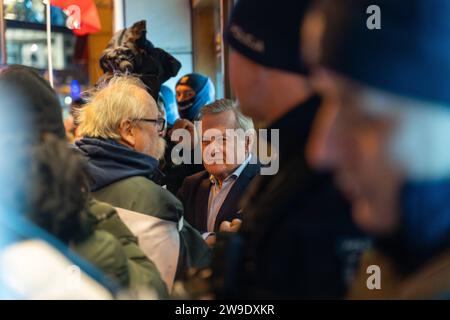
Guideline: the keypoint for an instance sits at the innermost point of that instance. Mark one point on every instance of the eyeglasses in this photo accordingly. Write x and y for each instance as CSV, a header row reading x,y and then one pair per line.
x,y
160,123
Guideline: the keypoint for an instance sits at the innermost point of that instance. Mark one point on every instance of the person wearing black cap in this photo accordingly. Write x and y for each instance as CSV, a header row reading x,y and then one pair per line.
x,y
386,136
297,237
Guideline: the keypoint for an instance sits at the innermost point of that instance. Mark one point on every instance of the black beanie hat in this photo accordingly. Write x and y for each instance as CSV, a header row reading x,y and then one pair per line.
x,y
268,32
409,55
45,114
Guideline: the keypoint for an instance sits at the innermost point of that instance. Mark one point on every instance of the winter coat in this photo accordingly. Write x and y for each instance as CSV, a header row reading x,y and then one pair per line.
x,y
122,178
114,249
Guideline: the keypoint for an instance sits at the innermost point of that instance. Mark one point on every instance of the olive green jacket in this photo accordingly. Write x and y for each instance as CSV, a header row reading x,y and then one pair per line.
x,y
155,216
114,250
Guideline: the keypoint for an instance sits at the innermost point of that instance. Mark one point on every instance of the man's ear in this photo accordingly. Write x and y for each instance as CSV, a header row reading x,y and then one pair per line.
x,y
127,133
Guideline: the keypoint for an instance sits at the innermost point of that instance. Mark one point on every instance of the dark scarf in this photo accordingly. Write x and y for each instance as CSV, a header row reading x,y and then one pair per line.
x,y
109,161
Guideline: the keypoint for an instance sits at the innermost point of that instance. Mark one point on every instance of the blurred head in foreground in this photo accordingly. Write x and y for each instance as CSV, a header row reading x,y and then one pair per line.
x,y
266,73
42,106
46,182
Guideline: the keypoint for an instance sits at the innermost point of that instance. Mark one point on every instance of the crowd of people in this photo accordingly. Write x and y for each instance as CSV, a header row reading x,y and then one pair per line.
x,y
148,193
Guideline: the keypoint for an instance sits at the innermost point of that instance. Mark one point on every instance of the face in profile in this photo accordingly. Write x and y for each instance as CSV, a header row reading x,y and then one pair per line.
x,y
148,134
353,138
248,82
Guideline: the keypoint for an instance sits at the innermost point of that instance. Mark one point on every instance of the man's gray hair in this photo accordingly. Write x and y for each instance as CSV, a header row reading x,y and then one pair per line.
x,y
223,105
115,100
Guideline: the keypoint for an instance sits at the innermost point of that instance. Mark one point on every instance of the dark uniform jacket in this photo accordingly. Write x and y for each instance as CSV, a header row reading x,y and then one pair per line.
x,y
194,194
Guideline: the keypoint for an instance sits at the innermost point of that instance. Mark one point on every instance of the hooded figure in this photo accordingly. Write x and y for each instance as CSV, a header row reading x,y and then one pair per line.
x,y
193,92
24,125
130,52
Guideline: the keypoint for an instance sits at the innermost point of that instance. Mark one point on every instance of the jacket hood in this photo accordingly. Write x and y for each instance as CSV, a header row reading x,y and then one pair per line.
x,y
109,161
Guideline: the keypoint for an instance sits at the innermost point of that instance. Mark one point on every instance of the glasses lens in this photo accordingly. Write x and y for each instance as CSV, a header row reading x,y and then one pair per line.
x,y
161,124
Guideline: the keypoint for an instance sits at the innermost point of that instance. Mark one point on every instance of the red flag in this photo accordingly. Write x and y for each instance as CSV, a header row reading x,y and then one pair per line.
x,y
82,15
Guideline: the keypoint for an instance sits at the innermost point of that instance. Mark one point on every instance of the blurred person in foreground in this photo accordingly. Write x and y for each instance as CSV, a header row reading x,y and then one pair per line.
x,y
386,135
109,238
122,141
53,194
297,238
211,197
34,264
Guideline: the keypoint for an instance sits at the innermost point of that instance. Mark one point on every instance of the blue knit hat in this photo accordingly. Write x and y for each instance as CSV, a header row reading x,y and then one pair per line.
x,y
170,104
268,32
409,55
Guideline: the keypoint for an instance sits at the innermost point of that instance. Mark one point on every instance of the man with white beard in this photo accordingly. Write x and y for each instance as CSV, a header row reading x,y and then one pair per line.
x,y
122,140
